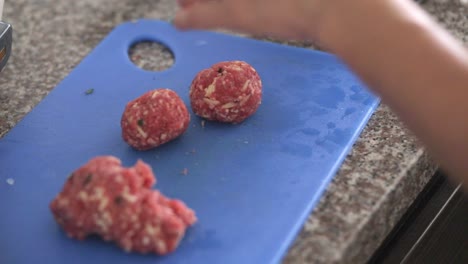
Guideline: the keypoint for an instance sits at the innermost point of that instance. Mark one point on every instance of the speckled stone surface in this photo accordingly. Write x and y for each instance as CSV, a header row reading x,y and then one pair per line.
x,y
381,176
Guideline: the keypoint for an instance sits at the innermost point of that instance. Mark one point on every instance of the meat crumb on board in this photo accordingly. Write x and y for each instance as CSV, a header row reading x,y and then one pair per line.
x,y
119,205
89,91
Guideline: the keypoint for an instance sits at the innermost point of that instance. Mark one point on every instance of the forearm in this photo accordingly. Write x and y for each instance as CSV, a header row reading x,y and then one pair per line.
x,y
416,68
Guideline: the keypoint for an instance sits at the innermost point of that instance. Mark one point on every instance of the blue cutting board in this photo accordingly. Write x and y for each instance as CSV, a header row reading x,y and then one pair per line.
x,y
252,185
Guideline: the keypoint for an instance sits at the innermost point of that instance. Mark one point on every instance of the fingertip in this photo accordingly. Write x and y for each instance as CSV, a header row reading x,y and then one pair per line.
x,y
203,15
185,3
180,20
182,3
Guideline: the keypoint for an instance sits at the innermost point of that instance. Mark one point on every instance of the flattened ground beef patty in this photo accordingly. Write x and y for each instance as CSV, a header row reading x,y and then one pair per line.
x,y
227,92
118,204
153,119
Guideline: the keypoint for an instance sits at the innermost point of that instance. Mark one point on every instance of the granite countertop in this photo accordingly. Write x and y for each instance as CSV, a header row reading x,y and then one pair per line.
x,y
379,179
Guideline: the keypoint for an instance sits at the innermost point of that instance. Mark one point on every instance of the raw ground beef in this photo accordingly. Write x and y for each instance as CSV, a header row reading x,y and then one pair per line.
x,y
153,119
118,204
227,92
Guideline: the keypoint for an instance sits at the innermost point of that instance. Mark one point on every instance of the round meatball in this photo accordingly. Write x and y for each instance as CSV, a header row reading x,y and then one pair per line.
x,y
153,119
229,92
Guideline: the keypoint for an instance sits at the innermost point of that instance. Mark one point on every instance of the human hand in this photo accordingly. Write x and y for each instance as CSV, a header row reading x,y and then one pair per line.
x,y
286,19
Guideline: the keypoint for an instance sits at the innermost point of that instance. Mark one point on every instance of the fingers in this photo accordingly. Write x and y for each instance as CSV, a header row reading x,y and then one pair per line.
x,y
279,18
186,3
202,14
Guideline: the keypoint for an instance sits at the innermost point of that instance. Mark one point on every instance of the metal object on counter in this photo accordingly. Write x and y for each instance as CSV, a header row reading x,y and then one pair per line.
x,y
6,38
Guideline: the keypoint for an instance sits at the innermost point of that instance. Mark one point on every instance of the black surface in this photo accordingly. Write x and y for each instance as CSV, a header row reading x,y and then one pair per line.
x,y
446,240
434,229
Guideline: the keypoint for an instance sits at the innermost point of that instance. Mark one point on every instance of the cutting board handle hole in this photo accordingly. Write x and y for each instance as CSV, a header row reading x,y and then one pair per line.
x,y
151,56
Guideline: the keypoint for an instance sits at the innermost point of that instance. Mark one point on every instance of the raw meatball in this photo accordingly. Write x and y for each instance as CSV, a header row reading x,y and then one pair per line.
x,y
227,92
153,119
118,204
